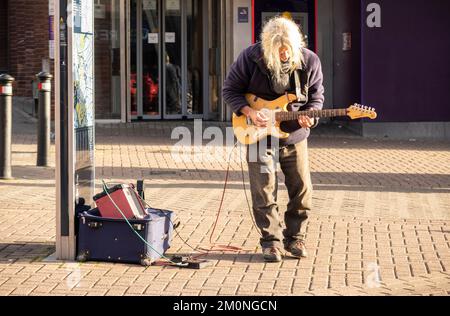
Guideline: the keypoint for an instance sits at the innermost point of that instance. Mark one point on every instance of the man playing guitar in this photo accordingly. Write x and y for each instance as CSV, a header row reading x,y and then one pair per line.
x,y
278,65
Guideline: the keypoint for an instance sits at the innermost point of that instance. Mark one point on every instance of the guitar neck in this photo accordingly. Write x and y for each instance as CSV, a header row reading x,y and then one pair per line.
x,y
293,116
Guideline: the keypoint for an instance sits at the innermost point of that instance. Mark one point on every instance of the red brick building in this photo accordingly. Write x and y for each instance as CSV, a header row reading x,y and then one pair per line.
x,y
3,36
24,41
24,48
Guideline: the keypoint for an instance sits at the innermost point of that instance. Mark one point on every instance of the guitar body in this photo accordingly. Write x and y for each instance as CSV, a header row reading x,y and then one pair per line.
x,y
247,133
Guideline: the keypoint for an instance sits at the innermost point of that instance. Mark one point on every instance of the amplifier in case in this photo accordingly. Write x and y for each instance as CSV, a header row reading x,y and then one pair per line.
x,y
126,199
112,240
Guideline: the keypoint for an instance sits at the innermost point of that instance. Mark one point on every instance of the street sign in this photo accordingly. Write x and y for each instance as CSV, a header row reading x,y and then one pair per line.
x,y
243,15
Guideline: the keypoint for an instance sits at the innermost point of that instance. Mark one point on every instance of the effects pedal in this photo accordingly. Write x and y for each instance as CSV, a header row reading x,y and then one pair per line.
x,y
190,263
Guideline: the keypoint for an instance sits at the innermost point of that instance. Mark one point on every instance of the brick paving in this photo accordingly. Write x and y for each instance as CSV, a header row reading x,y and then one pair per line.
x,y
380,225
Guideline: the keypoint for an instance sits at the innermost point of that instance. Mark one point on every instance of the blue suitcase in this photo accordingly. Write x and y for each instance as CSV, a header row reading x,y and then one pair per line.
x,y
113,240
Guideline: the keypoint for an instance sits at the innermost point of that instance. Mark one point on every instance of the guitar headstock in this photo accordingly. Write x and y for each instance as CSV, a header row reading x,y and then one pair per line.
x,y
358,111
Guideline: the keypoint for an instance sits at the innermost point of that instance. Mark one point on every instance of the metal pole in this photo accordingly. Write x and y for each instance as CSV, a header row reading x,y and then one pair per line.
x,y
43,132
5,126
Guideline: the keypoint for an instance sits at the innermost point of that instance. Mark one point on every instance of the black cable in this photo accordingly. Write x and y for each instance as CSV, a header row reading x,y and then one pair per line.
x,y
172,223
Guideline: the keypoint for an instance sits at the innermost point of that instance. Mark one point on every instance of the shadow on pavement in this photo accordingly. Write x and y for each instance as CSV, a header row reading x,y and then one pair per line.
x,y
25,252
323,181
33,172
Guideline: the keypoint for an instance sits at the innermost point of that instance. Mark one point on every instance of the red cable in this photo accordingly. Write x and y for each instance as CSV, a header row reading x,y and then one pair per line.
x,y
214,247
221,204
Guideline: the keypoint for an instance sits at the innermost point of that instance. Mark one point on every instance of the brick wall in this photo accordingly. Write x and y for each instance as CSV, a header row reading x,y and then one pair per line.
x,y
28,46
3,35
28,42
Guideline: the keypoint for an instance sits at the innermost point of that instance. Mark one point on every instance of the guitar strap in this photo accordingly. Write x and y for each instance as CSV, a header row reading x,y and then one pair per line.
x,y
301,97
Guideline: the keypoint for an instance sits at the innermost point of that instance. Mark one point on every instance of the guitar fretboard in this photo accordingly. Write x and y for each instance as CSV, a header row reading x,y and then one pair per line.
x,y
293,116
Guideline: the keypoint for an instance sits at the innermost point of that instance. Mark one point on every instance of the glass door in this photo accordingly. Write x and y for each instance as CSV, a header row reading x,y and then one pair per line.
x,y
110,61
166,59
145,83
151,83
195,40
173,60
184,59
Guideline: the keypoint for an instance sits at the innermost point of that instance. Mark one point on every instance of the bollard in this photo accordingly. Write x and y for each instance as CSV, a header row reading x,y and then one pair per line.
x,y
5,126
43,132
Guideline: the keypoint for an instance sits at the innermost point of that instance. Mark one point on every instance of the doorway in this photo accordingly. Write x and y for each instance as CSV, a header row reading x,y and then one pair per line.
x,y
166,59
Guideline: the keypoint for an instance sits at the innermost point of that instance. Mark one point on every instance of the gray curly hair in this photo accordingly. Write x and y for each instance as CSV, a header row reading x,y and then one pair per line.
x,y
279,32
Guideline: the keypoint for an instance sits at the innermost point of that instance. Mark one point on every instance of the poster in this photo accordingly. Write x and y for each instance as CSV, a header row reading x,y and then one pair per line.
x,y
243,13
170,37
149,4
153,38
51,31
84,98
51,37
301,11
300,18
82,11
346,41
173,5
51,7
100,11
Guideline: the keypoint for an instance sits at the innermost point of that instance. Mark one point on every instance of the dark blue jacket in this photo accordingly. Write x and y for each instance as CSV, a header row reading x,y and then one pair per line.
x,y
249,74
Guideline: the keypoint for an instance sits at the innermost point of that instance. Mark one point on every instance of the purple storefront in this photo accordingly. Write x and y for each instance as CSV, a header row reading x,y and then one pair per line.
x,y
391,55
405,69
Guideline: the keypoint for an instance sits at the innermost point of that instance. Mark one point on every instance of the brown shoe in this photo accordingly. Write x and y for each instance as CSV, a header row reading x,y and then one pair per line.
x,y
297,249
272,254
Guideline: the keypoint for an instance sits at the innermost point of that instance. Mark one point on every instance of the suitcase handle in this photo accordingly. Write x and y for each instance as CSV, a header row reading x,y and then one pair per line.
x,y
95,225
138,227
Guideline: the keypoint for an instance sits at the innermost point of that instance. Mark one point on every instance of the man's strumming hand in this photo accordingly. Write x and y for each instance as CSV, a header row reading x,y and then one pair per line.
x,y
258,118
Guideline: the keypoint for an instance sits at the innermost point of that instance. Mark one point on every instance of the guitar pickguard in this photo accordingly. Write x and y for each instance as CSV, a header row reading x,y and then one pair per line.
x,y
247,133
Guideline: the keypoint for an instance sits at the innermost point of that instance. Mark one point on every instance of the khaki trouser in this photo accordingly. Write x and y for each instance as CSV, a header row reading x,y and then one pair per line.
x,y
294,163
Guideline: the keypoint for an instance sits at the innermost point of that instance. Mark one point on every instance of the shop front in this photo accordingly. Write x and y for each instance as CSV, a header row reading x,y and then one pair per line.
x,y
157,59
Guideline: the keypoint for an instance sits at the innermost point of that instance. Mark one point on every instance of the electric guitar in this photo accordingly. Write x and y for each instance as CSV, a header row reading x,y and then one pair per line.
x,y
276,111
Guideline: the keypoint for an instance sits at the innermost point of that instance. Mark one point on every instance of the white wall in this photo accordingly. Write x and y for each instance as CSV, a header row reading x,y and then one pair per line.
x,y
242,32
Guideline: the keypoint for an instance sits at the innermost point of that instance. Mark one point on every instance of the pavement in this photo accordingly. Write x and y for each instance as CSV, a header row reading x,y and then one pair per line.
x,y
380,224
